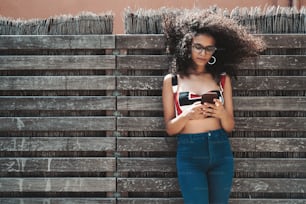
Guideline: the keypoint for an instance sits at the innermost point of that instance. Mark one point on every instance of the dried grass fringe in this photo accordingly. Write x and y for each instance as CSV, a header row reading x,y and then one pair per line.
x,y
81,24
271,19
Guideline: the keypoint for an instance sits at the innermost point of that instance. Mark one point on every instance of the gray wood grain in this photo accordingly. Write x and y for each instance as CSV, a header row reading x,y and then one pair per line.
x,y
10,103
57,42
248,103
241,124
148,41
57,123
79,62
65,164
276,185
57,82
284,40
168,144
263,62
231,201
57,184
274,165
274,62
141,41
243,83
67,200
143,62
31,144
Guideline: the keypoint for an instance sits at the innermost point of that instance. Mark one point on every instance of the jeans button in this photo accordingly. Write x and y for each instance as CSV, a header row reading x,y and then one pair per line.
x,y
209,134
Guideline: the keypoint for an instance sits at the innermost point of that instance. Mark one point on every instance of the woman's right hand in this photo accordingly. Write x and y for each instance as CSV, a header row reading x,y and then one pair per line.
x,y
195,111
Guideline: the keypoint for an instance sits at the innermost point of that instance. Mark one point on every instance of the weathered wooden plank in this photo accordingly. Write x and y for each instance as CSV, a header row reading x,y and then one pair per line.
x,y
30,144
147,41
266,62
285,165
157,41
168,144
57,103
144,62
242,124
251,83
84,184
274,62
79,62
231,201
266,201
146,165
284,40
150,201
267,185
58,200
147,185
135,41
277,103
139,164
74,164
57,123
248,103
57,42
57,82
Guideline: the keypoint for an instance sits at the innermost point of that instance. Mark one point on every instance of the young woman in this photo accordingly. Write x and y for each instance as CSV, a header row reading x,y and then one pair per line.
x,y
197,100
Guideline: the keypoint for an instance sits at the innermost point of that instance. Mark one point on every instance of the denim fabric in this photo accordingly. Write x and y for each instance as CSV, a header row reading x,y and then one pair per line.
x,y
205,167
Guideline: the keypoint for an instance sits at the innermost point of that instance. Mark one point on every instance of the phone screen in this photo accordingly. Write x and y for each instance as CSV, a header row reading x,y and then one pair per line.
x,y
209,97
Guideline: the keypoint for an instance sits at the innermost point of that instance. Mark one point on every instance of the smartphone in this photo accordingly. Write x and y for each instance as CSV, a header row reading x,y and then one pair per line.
x,y
209,97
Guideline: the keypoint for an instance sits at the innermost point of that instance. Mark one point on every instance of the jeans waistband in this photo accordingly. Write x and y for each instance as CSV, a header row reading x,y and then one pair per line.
x,y
186,137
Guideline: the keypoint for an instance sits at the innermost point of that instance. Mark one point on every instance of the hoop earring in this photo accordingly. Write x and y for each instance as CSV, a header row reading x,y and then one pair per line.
x,y
214,60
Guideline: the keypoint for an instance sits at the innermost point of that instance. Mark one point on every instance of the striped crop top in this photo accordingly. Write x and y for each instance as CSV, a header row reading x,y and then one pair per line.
x,y
185,99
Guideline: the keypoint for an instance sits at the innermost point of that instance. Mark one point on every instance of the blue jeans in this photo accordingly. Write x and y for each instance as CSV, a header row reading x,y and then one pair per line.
x,y
205,167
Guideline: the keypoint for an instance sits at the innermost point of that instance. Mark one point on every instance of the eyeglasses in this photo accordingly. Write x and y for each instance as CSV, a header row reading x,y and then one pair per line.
x,y
208,49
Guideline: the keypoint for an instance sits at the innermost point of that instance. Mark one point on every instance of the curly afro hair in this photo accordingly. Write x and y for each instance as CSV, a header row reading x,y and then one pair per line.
x,y
233,42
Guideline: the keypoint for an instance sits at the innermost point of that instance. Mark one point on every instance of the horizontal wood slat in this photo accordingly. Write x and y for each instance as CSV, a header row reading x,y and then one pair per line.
x,y
10,103
147,41
231,201
267,185
57,184
65,164
124,41
256,103
77,62
157,41
144,62
168,144
251,83
265,62
31,144
57,83
67,200
57,42
294,40
274,62
241,165
242,124
57,123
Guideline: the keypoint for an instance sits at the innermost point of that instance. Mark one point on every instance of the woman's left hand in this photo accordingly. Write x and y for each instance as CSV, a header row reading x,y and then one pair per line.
x,y
216,110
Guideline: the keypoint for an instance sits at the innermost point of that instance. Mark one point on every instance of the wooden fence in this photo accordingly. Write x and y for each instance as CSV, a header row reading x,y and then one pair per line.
x,y
81,122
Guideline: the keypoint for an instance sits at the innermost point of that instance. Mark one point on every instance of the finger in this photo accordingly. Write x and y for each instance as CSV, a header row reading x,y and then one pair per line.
x,y
217,102
209,105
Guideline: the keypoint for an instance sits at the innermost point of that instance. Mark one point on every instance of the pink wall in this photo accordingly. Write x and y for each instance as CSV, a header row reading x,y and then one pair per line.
x,y
27,9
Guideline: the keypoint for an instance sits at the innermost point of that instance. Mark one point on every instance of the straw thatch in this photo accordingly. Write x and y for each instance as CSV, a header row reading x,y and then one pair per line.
x,y
270,19
81,24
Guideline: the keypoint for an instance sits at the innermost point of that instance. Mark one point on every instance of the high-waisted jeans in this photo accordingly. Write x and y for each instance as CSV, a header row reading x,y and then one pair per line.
x,y
205,167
